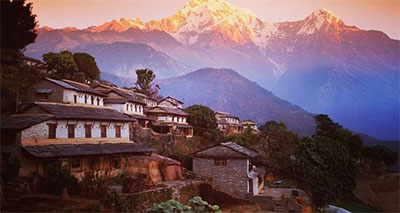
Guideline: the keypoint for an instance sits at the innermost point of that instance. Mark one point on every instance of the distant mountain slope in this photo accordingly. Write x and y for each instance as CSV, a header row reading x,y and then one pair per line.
x,y
319,63
123,58
226,90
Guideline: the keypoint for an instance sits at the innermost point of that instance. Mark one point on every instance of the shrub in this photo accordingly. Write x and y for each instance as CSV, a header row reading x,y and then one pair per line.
x,y
200,205
119,204
170,206
53,181
94,184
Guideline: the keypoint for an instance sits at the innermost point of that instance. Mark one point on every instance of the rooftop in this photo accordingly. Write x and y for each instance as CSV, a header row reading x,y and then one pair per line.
x,y
73,85
23,122
70,150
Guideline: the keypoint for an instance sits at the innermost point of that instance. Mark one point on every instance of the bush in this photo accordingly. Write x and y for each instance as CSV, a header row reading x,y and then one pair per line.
x,y
94,184
197,205
119,204
53,181
137,184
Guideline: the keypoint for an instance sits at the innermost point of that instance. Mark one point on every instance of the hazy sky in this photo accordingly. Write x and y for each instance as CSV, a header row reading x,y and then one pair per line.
x,y
381,15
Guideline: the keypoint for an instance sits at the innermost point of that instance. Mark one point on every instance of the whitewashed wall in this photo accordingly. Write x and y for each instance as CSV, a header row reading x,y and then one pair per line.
x,y
68,97
41,130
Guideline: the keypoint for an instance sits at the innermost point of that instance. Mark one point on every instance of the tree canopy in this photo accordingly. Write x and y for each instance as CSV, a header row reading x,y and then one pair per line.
x,y
87,64
18,24
381,153
79,67
201,118
326,168
144,82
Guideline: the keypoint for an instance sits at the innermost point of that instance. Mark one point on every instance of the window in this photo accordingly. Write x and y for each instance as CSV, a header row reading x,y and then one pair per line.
x,y
98,101
71,130
92,99
103,129
117,131
135,108
127,107
88,131
85,99
219,162
75,99
75,163
52,130
116,162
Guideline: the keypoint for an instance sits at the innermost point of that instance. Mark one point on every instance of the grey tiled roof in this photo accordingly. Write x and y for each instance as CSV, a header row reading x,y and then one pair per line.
x,y
167,110
240,149
70,150
66,111
67,84
23,122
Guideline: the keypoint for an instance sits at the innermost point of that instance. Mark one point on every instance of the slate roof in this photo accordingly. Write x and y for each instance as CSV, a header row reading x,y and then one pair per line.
x,y
135,116
171,98
70,150
67,111
240,149
23,122
72,85
230,145
167,111
123,94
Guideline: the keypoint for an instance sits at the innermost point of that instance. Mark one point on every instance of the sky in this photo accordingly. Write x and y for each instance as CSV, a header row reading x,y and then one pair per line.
x,y
383,15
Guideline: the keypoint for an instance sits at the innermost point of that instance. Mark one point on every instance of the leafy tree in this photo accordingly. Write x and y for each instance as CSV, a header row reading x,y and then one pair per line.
x,y
327,169
201,118
325,127
247,138
144,82
62,65
18,24
87,64
281,144
381,153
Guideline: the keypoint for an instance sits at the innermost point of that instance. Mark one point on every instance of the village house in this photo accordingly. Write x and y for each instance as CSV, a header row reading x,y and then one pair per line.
x,y
64,91
149,101
125,102
78,135
230,167
249,124
228,123
169,117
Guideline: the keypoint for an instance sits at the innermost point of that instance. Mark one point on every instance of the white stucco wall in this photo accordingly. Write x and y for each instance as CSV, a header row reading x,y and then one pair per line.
x,y
68,97
41,130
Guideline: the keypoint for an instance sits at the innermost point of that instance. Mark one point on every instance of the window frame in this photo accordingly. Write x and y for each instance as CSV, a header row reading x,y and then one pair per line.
x,y
71,126
88,130
118,131
220,162
103,134
50,134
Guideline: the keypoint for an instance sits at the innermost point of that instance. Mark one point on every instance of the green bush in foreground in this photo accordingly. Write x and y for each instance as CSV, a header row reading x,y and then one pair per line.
x,y
197,205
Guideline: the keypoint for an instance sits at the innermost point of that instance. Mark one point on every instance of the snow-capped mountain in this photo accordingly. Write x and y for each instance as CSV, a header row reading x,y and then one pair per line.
x,y
319,63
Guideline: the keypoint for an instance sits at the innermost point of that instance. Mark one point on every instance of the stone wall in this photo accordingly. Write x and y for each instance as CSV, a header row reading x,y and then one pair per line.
x,y
55,96
220,151
231,178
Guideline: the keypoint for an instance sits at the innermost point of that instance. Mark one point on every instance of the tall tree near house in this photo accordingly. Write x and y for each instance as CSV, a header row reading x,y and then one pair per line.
x,y
87,64
144,82
327,169
18,29
202,119
18,24
62,65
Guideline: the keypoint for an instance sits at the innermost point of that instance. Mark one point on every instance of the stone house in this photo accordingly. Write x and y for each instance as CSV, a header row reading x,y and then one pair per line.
x,y
168,117
228,123
230,167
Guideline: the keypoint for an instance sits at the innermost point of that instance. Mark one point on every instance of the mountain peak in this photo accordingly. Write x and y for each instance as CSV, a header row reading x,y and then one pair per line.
x,y
326,15
321,19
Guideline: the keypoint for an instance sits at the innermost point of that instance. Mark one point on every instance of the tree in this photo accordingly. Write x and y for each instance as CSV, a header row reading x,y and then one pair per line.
x,y
325,127
381,153
18,24
327,169
202,119
144,82
62,65
87,64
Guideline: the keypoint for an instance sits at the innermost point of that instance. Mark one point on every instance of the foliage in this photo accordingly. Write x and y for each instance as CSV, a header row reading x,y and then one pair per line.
x,y
197,205
272,126
327,168
144,82
327,128
202,119
18,24
53,181
10,171
94,184
87,64
118,178
119,204
170,206
247,138
62,65
381,153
